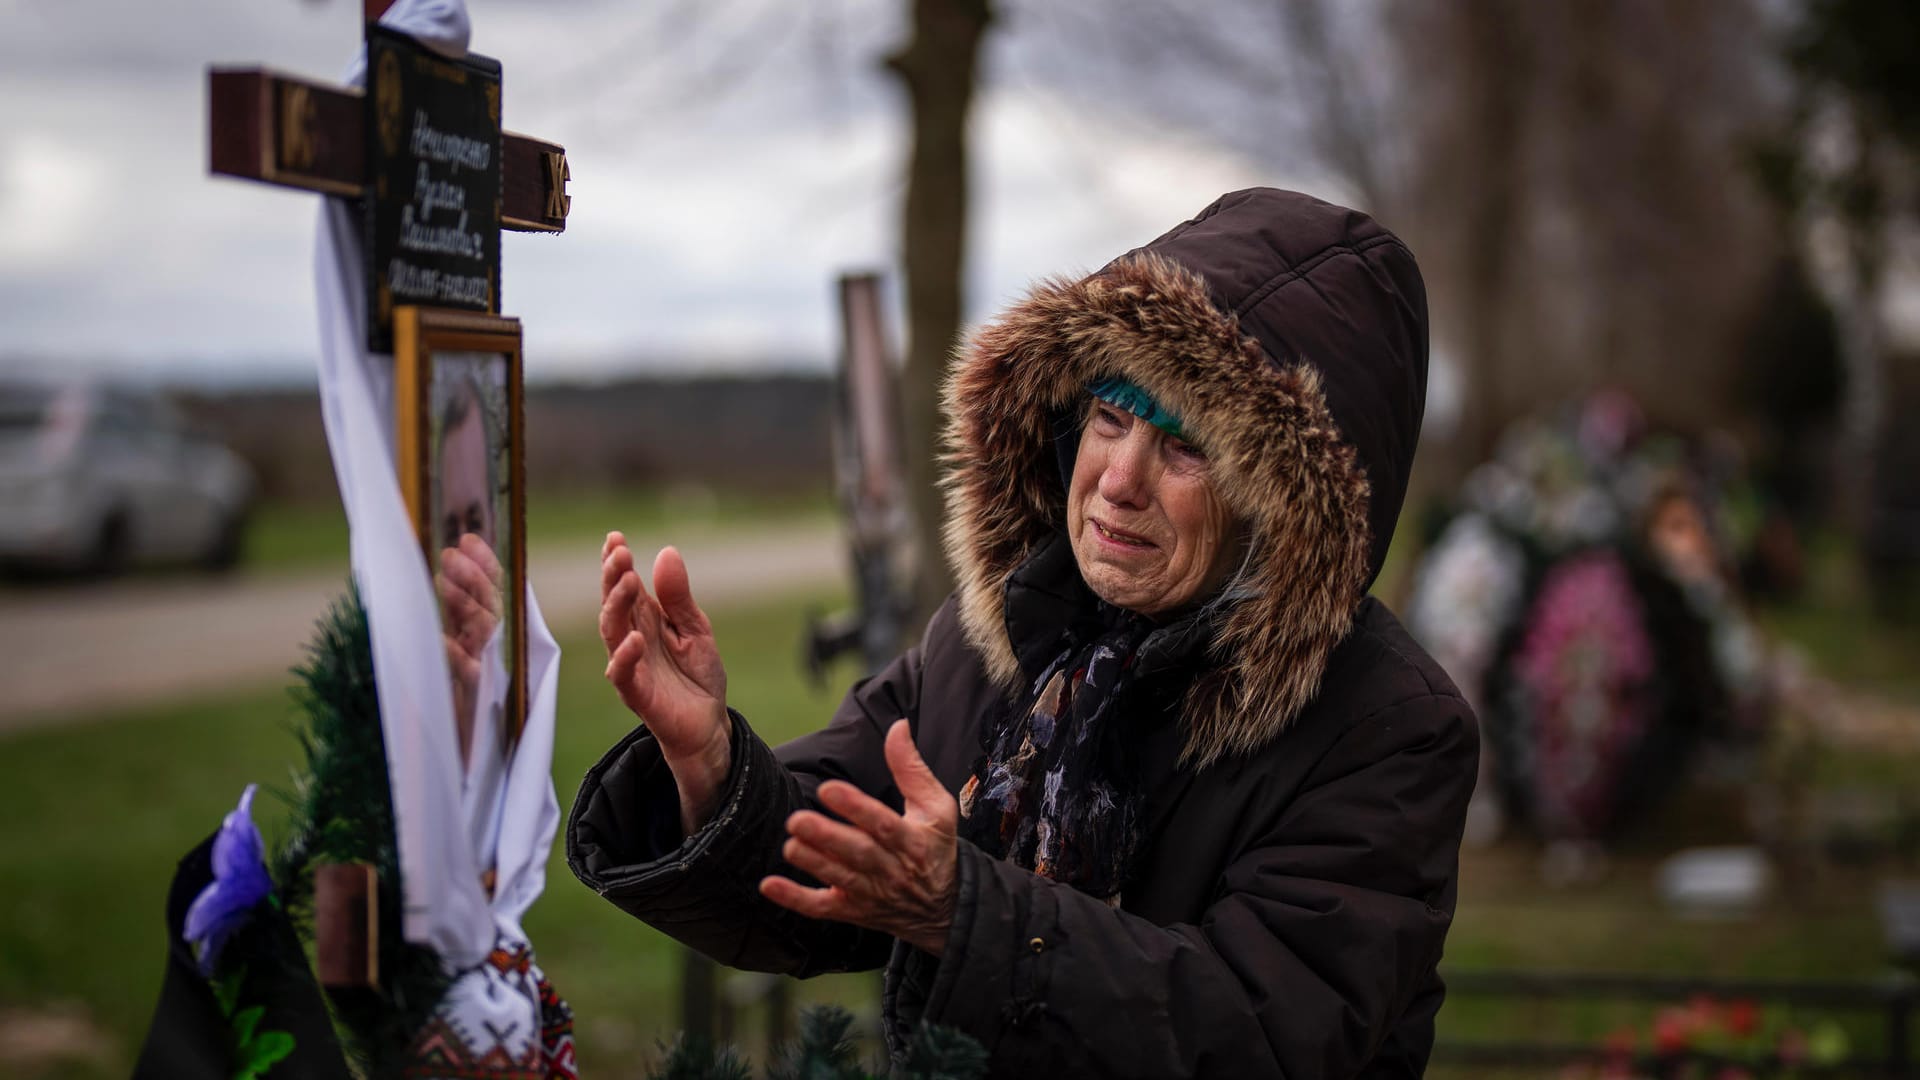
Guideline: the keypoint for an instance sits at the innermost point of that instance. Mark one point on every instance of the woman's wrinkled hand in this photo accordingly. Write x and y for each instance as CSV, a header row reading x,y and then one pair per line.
x,y
895,873
662,660
472,586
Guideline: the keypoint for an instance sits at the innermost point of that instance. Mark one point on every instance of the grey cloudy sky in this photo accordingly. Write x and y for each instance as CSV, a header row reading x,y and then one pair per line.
x,y
728,160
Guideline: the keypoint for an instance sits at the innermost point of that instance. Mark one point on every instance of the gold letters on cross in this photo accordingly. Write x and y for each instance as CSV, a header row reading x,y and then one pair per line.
x,y
558,201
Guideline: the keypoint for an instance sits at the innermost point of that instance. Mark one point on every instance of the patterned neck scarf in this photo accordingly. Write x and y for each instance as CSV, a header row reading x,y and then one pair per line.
x,y
1058,791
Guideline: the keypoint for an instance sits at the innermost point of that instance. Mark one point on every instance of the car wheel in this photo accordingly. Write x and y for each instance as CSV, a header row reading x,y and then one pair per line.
x,y
111,546
224,553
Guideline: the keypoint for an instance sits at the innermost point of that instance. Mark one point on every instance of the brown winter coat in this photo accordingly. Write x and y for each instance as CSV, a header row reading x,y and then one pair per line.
x,y
1308,773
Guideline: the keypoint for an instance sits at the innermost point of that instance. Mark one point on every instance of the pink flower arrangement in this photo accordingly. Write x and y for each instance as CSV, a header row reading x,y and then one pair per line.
x,y
1585,666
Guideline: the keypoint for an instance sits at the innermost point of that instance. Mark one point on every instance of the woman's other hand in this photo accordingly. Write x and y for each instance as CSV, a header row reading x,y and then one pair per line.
x,y
885,871
662,660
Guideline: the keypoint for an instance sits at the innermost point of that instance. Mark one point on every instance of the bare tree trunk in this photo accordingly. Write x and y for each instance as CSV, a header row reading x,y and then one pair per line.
x,y
1862,412
938,67
1494,212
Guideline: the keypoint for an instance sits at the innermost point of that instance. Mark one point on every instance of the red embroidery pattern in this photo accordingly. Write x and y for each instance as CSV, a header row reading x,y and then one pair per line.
x,y
556,1033
441,1052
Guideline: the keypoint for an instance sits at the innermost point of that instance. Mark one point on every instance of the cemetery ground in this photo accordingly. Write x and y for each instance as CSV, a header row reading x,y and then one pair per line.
x,y
96,813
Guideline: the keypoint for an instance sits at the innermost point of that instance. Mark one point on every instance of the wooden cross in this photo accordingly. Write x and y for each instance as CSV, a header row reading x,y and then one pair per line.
x,y
437,179
424,110
294,132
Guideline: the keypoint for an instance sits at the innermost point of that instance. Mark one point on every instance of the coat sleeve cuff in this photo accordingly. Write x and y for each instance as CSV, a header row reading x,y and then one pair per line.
x,y
624,839
991,977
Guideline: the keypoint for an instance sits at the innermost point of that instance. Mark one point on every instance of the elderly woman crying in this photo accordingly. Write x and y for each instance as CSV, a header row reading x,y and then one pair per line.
x,y
1162,791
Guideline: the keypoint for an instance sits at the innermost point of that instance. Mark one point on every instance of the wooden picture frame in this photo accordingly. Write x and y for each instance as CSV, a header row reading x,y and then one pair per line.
x,y
446,361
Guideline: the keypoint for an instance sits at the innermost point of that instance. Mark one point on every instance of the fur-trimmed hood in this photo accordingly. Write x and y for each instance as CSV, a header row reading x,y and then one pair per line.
x,y
1290,335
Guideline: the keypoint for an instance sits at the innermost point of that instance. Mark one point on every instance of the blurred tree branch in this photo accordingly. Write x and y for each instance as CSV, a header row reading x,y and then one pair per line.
x,y
1569,174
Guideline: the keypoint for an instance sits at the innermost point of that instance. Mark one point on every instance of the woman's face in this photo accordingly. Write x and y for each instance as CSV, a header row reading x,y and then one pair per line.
x,y
1148,531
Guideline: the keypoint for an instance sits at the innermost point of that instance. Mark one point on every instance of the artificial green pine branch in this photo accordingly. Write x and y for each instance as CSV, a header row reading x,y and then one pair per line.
x,y
696,1059
342,812
825,1051
942,1053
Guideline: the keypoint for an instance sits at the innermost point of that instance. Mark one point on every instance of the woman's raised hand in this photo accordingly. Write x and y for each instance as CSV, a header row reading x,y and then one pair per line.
x,y
662,660
895,873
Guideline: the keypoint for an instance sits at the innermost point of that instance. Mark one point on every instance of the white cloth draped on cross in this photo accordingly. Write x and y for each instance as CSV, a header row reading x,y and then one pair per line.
x,y
513,813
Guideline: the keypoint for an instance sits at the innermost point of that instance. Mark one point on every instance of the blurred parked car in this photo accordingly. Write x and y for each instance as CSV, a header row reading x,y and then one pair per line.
x,y
98,479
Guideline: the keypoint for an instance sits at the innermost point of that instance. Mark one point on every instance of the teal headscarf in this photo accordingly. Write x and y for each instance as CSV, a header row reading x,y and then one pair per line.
x,y
1126,394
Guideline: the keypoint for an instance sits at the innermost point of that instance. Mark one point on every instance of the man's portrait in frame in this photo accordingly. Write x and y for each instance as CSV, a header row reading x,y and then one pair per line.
x,y
457,392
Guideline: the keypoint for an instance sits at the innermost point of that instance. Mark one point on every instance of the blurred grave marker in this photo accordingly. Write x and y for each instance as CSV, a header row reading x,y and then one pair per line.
x,y
1716,882
1900,920
871,482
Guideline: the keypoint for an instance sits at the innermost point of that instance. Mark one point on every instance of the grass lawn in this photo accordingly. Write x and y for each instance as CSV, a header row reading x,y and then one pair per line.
x,y
299,536
1834,622
1848,644
97,812
1507,919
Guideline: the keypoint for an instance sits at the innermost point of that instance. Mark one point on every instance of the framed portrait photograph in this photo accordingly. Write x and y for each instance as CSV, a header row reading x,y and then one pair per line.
x,y
461,456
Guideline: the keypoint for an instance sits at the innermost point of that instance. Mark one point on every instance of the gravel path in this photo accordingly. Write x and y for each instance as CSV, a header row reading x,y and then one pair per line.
x,y
72,650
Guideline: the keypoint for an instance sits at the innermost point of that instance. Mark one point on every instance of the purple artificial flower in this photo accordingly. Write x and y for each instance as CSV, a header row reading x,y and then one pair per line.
x,y
239,882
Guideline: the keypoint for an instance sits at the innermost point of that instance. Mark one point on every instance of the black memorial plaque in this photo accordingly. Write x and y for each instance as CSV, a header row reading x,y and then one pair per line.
x,y
433,206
